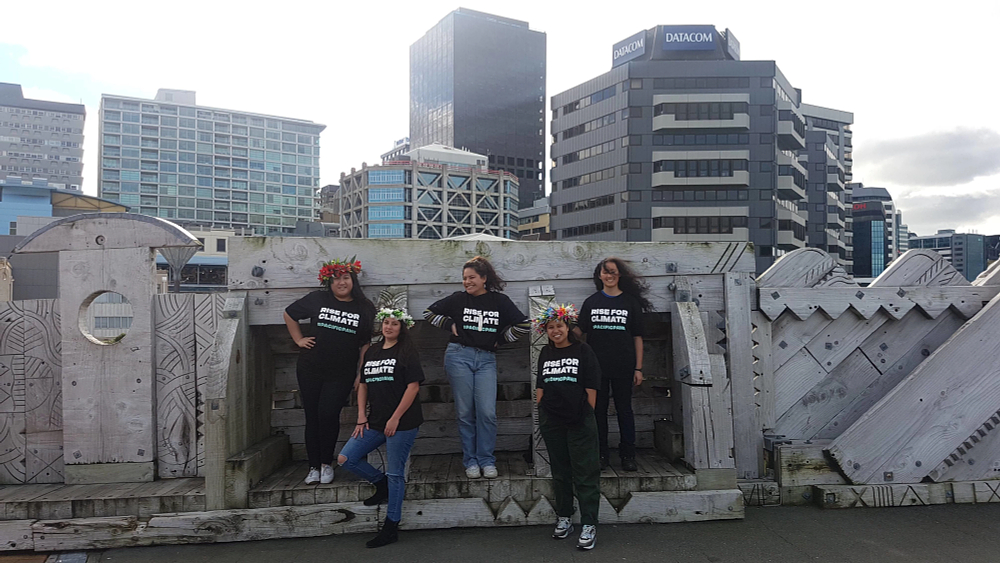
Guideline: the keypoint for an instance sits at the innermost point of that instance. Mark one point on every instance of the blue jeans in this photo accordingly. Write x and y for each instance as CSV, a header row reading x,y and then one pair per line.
x,y
473,376
397,448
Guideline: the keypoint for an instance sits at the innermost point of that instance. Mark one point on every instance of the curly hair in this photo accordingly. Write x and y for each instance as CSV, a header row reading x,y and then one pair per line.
x,y
483,267
628,281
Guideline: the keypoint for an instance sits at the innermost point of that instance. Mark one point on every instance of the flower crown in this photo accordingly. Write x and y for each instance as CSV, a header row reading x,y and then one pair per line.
x,y
335,268
399,314
565,313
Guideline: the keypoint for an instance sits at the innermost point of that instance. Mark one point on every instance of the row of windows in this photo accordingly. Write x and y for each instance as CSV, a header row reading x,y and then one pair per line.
x,y
797,177
825,124
701,195
204,181
188,125
36,127
40,113
727,82
598,96
592,203
706,139
788,225
167,136
588,126
597,176
37,170
43,142
238,191
700,111
700,225
512,161
187,111
582,230
700,168
205,157
788,115
588,152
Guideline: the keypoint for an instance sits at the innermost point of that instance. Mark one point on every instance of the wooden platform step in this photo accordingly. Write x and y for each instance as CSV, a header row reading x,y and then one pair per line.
x,y
58,501
443,477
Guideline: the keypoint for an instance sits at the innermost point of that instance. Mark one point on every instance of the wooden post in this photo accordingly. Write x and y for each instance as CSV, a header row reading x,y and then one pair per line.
x,y
539,299
748,437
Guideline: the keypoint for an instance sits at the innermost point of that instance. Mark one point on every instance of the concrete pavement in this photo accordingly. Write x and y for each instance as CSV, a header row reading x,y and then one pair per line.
x,y
959,533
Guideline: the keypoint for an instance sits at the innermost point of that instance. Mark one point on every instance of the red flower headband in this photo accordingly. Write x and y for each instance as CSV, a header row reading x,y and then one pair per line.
x,y
335,268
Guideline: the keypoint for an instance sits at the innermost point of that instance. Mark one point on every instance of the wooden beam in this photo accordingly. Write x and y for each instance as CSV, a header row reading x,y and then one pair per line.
x,y
539,299
920,267
293,261
799,463
16,535
106,231
748,437
805,267
691,363
763,371
942,402
865,302
248,468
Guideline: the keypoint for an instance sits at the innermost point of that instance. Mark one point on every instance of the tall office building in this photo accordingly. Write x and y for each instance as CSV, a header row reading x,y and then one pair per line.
x,y
437,192
208,168
477,82
827,158
41,143
967,252
897,239
871,239
682,141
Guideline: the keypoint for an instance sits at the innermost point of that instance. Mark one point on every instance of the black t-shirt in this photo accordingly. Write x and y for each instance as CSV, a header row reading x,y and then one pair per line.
x,y
387,374
564,375
480,320
611,324
341,328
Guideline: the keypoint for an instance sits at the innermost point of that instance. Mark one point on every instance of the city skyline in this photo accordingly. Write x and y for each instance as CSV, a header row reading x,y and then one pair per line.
x,y
940,165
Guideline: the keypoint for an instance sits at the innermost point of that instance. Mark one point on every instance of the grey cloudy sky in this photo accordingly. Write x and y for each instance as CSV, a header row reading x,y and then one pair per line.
x,y
921,82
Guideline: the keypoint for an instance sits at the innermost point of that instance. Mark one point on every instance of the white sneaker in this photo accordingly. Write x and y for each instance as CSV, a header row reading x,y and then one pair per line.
x,y
490,472
472,472
563,528
588,537
313,476
326,474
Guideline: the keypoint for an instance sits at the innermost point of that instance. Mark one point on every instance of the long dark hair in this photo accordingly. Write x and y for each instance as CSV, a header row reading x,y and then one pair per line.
x,y
483,267
358,294
404,340
628,281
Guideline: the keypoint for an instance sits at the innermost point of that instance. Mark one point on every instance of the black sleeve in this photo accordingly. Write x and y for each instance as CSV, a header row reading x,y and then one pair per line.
x,y
304,308
591,377
441,313
509,313
414,371
366,325
584,321
635,319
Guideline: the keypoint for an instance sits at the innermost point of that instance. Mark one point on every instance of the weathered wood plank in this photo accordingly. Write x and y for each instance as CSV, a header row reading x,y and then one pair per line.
x,y
763,371
747,435
207,310
841,337
795,378
720,409
805,267
108,407
929,413
920,267
817,407
789,335
691,363
759,492
176,387
293,261
880,496
104,231
15,535
42,365
802,462
864,302
946,326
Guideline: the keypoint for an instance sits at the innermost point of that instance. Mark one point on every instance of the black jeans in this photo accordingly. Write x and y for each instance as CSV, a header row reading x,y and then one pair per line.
x,y
621,389
575,467
323,397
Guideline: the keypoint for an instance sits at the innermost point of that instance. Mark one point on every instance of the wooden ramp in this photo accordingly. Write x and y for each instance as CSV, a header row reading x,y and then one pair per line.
x,y
55,501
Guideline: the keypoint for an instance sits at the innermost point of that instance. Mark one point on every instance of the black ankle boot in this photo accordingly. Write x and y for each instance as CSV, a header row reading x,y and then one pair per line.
x,y
388,534
381,493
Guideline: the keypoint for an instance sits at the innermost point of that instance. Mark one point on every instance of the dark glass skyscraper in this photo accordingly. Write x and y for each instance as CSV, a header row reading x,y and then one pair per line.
x,y
477,81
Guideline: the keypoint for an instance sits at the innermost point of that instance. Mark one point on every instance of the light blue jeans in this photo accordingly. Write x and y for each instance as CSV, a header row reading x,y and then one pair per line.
x,y
473,376
397,448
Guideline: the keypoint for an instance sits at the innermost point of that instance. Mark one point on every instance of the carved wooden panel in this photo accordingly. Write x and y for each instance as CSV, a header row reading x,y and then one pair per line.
x,y
176,389
207,308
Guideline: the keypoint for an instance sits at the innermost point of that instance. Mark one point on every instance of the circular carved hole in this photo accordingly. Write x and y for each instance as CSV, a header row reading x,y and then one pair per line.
x,y
105,317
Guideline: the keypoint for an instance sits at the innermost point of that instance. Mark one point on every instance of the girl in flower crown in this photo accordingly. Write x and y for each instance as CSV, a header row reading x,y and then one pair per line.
x,y
388,413
328,365
567,382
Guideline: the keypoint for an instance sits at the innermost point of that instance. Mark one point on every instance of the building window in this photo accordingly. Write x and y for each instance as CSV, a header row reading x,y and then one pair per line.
x,y
13,227
220,245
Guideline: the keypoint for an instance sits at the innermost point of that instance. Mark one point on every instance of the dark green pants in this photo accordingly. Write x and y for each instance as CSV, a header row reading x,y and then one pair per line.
x,y
573,455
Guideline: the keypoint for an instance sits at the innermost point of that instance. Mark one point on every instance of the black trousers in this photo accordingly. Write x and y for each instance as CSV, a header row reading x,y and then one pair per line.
x,y
323,397
621,389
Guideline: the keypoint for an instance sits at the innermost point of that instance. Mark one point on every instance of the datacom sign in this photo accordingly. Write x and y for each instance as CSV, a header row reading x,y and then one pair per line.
x,y
631,48
688,37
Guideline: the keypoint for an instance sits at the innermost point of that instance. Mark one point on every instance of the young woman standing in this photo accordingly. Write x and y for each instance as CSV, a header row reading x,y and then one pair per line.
x,y
612,320
328,364
479,319
568,377
388,413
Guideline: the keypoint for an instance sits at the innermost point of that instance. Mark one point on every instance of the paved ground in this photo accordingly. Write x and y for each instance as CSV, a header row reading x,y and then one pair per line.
x,y
954,533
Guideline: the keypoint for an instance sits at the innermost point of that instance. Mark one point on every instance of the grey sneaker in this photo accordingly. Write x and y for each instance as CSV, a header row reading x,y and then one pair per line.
x,y
326,474
490,472
472,472
313,477
588,537
563,528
